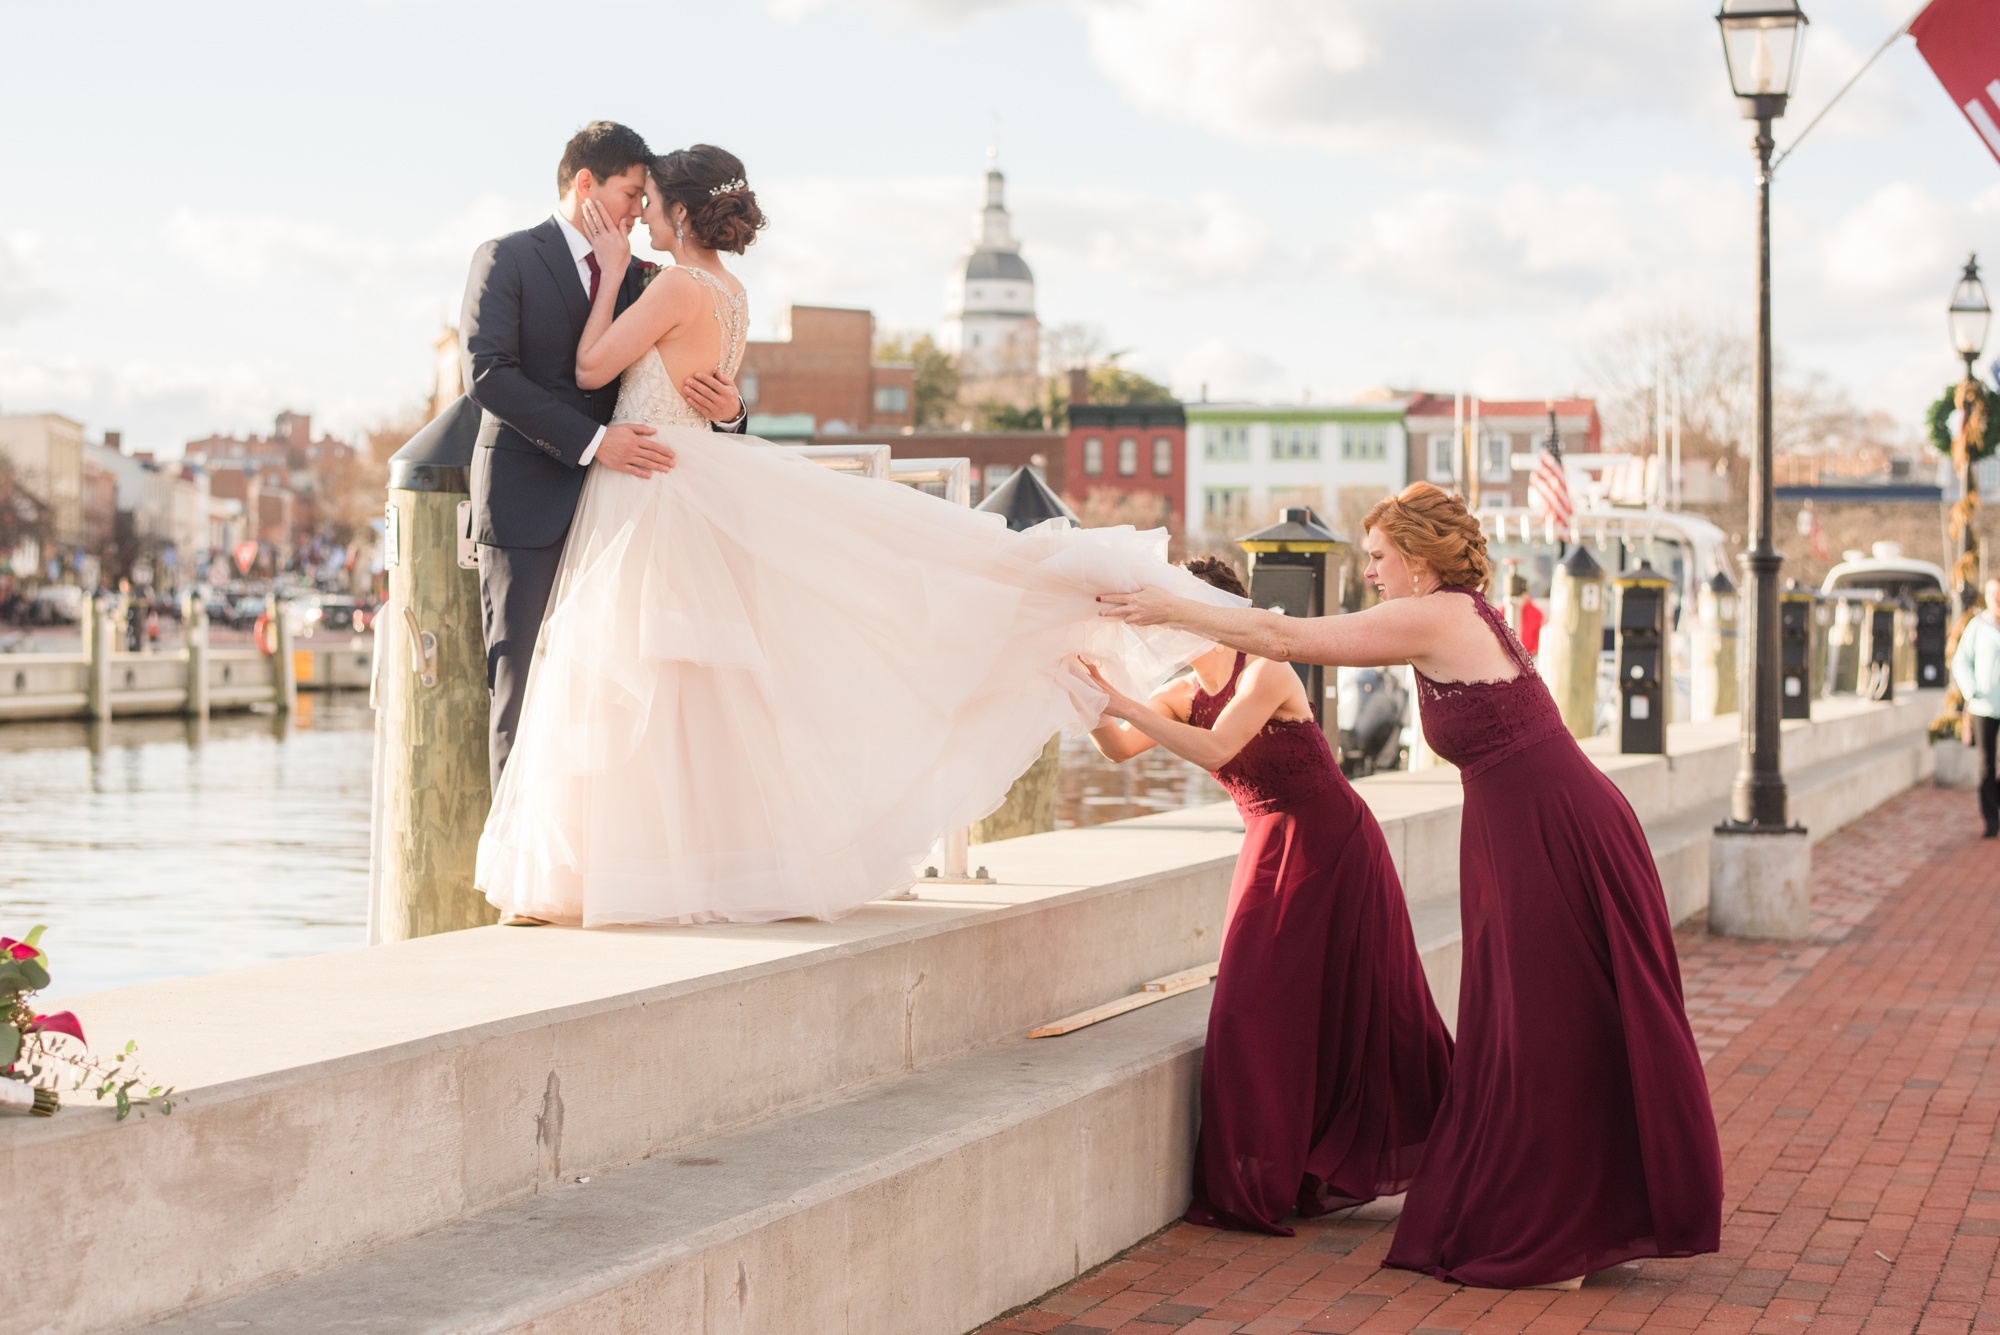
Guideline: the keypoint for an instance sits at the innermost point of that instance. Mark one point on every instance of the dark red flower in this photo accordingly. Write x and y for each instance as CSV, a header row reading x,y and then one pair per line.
x,y
62,1022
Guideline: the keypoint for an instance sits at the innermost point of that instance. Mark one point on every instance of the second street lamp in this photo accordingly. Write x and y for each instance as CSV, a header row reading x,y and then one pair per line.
x,y
1969,317
1758,867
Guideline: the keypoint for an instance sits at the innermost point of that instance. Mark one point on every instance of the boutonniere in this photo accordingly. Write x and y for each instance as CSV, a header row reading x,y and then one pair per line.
x,y
648,271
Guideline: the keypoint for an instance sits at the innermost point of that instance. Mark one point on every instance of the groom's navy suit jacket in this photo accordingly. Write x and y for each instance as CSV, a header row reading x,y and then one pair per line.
x,y
525,308
524,312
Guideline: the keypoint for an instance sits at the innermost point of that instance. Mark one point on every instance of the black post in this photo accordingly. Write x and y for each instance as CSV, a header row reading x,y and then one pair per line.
x,y
1757,800
1966,585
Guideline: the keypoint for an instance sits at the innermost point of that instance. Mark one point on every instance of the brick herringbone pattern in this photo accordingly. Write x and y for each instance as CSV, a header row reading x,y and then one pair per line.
x,y
1856,1090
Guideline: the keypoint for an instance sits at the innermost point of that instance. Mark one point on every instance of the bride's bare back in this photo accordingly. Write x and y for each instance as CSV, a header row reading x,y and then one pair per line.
x,y
710,320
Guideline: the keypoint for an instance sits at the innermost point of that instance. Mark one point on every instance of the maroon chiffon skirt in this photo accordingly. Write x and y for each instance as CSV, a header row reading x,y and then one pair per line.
x,y
1326,1060
1577,1132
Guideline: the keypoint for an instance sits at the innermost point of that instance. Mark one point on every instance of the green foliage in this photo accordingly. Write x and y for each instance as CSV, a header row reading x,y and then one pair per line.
x,y
935,392
1939,420
10,1044
1001,417
1112,383
21,976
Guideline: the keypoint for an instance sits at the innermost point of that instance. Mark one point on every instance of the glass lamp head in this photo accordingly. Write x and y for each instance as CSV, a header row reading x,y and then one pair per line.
x,y
1761,40
1969,314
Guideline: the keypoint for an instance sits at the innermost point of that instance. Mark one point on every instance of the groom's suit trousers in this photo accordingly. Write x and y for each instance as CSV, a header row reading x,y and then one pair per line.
x,y
515,584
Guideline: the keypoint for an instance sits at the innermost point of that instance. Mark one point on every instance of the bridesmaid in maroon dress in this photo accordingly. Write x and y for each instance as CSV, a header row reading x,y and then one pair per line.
x,y
1577,1132
1325,1060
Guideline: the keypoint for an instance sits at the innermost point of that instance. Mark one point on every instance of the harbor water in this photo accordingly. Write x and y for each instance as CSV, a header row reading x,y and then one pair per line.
x,y
159,848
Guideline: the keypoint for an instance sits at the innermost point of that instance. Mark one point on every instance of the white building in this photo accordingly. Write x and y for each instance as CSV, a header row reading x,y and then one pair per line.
x,y
1248,462
990,323
46,452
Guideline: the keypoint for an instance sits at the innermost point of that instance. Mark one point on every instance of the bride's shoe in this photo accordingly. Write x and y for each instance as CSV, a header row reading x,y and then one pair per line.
x,y
523,920
1560,1286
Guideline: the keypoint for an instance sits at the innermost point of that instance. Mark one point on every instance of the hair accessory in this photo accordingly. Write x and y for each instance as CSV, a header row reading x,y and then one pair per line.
x,y
727,186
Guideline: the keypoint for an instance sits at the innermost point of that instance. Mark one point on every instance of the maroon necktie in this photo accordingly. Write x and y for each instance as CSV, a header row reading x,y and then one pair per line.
x,y
595,272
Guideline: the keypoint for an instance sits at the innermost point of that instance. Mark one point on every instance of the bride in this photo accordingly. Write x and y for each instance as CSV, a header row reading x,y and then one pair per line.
x,y
763,690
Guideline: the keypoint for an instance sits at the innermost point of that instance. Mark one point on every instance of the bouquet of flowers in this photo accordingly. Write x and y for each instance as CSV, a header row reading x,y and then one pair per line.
x,y
33,1064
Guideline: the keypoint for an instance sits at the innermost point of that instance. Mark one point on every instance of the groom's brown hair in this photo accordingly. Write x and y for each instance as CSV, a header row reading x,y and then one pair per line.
x,y
604,149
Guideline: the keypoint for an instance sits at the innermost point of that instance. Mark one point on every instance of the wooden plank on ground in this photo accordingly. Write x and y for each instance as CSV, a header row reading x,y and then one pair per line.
x,y
1159,989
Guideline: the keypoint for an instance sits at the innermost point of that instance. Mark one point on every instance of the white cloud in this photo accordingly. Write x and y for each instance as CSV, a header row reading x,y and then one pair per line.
x,y
1150,243
1224,369
24,289
1394,74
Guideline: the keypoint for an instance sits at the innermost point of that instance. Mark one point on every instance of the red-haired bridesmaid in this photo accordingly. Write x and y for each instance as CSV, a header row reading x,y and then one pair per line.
x,y
1325,1060
1577,1132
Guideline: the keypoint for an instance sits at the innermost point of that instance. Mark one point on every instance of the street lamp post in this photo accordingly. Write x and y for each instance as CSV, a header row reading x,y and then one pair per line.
x,y
1968,316
1758,874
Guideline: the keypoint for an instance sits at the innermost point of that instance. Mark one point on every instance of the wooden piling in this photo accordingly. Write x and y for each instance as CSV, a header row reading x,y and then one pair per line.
x,y
1715,656
195,620
98,612
1573,639
432,792
285,671
1030,805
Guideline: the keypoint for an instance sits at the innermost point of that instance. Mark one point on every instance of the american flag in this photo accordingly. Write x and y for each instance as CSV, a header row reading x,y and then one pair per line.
x,y
1548,481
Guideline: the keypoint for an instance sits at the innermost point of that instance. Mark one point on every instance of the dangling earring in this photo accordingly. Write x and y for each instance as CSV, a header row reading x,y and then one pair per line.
x,y
680,237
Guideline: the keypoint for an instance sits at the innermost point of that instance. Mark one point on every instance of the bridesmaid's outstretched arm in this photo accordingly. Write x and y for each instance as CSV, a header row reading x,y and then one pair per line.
x,y
1401,630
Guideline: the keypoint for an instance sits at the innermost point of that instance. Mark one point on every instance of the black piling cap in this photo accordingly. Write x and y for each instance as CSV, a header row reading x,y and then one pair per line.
x,y
439,457
1719,583
1581,565
1024,500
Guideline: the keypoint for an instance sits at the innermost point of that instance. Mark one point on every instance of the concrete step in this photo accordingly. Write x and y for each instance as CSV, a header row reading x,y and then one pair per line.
x,y
922,1205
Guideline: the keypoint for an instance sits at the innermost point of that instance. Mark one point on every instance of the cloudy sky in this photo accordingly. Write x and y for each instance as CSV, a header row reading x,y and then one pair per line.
x,y
216,210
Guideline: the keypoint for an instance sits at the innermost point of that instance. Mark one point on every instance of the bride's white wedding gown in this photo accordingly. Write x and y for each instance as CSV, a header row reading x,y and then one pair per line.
x,y
764,689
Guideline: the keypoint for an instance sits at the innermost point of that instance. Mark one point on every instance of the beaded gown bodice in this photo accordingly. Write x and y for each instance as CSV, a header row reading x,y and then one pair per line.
x,y
647,394
1477,724
1285,763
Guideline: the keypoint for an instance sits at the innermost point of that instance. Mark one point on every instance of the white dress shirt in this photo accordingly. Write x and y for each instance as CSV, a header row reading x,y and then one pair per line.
x,y
579,251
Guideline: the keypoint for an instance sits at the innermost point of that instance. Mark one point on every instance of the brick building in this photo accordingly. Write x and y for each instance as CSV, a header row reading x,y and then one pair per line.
x,y
294,487
1127,459
821,379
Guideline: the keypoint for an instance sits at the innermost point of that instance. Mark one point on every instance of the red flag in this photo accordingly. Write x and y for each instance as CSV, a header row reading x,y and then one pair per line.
x,y
1960,39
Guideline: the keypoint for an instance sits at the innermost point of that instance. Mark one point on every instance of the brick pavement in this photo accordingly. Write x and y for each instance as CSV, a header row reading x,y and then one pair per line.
x,y
1855,1088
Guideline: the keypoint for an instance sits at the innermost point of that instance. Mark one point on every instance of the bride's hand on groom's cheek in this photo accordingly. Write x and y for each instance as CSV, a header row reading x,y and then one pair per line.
x,y
608,241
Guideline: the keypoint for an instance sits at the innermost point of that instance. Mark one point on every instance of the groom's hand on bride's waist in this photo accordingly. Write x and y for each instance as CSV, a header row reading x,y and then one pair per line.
x,y
631,448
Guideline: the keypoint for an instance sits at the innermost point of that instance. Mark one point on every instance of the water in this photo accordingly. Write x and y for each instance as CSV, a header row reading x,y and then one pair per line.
x,y
155,851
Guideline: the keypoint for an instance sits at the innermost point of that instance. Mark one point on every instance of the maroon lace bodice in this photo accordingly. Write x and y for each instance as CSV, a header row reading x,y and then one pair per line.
x,y
1285,763
1477,724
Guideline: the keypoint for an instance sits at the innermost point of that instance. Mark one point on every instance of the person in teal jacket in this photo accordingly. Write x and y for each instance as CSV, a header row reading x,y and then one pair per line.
x,y
1976,669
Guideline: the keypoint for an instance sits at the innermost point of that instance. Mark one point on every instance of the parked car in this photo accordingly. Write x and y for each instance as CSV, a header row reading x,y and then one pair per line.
x,y
56,605
339,614
243,613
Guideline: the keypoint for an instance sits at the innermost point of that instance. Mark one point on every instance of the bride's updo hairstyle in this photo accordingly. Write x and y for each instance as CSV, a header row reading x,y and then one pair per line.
x,y
1432,527
1214,570
709,182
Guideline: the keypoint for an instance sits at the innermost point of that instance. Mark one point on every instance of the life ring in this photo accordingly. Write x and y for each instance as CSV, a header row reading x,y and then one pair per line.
x,y
265,634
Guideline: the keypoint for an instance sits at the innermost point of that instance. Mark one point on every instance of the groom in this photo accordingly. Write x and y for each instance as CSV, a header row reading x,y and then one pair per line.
x,y
526,301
